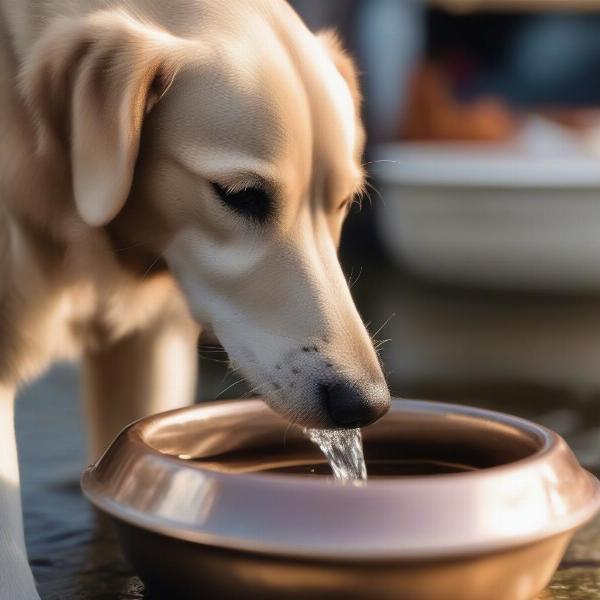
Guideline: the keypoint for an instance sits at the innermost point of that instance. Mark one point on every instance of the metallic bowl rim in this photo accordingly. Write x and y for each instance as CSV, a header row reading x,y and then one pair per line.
x,y
552,443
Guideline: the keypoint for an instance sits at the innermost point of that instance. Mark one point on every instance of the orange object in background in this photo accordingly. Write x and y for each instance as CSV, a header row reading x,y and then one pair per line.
x,y
433,113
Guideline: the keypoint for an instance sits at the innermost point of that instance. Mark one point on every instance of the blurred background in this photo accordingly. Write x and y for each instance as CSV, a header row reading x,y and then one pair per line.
x,y
475,261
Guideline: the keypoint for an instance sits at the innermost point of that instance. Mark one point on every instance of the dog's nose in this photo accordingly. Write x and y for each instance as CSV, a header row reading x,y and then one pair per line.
x,y
350,407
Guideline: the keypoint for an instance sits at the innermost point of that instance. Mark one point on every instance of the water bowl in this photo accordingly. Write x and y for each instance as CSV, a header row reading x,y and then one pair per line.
x,y
226,500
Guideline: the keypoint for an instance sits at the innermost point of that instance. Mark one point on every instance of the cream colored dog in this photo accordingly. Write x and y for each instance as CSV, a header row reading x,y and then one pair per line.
x,y
165,165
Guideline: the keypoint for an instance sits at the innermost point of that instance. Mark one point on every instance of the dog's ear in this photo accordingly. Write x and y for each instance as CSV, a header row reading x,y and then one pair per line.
x,y
89,83
347,69
343,61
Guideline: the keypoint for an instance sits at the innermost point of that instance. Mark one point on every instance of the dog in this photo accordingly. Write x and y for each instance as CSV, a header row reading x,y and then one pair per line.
x,y
167,167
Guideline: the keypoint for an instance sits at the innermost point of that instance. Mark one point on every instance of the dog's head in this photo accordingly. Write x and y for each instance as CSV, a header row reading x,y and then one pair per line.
x,y
233,147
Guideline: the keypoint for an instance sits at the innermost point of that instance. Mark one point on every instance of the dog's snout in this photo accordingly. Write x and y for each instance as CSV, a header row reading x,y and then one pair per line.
x,y
352,406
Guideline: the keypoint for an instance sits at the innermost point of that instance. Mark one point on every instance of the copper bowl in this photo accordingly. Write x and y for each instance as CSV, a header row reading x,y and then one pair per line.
x,y
201,513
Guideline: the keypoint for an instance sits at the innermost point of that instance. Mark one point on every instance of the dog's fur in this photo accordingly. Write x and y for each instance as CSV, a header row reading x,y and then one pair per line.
x,y
117,117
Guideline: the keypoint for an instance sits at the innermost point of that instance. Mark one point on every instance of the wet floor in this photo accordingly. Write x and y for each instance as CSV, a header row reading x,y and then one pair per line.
x,y
534,357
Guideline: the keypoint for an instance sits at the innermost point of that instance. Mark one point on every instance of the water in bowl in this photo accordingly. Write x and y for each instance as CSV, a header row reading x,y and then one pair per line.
x,y
340,453
378,468
344,452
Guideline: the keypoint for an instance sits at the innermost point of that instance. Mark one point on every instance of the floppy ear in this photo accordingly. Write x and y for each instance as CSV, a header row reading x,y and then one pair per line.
x,y
89,84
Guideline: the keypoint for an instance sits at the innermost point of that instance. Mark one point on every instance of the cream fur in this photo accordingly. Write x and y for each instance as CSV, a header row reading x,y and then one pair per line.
x,y
116,117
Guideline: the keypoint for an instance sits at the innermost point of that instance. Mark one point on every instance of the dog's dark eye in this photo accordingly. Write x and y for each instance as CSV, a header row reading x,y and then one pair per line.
x,y
252,202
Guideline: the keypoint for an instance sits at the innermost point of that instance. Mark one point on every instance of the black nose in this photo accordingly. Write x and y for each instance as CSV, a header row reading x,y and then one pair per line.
x,y
350,406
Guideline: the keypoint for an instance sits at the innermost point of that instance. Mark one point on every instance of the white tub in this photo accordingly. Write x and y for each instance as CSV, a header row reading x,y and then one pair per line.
x,y
525,216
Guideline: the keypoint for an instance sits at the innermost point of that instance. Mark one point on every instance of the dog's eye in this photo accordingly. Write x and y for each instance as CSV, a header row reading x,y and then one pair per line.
x,y
251,202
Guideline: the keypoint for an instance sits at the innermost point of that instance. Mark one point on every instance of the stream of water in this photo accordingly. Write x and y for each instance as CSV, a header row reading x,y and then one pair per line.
x,y
344,451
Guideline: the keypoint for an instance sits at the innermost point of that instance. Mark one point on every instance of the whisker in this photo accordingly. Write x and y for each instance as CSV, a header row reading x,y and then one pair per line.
x,y
383,160
214,360
152,265
381,343
256,388
243,379
383,325
351,283
372,187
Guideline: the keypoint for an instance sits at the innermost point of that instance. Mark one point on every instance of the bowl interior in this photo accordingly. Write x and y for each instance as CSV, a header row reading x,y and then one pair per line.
x,y
417,443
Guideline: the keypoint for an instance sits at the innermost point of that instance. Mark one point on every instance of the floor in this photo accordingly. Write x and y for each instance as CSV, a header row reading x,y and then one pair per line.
x,y
473,348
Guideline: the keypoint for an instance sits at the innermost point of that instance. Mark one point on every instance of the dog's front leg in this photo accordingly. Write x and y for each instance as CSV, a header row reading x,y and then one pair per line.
x,y
149,371
16,579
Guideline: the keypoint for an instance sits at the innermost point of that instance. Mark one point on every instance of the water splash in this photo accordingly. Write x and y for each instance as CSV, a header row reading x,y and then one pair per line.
x,y
344,451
